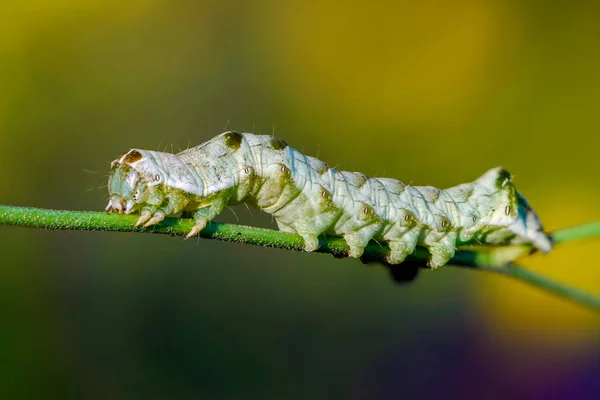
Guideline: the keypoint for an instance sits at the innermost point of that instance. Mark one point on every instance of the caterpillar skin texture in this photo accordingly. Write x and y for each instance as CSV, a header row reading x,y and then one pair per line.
x,y
308,197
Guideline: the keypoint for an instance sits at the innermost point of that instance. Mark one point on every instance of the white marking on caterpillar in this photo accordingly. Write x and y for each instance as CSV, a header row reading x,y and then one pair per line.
x,y
307,197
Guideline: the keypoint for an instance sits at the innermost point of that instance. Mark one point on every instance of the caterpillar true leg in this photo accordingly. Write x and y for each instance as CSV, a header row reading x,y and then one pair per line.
x,y
173,203
209,210
158,216
145,215
200,224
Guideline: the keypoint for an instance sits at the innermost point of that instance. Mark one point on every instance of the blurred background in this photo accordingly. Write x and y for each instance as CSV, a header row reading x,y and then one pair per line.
x,y
432,92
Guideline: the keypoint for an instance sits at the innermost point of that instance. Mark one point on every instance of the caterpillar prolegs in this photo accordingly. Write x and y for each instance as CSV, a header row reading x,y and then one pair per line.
x,y
308,197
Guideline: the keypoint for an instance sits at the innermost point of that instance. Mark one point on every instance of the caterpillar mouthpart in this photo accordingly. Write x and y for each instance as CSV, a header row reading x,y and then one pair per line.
x,y
118,204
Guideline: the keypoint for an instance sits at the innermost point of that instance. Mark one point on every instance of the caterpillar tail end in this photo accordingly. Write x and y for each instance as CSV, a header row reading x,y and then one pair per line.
x,y
529,229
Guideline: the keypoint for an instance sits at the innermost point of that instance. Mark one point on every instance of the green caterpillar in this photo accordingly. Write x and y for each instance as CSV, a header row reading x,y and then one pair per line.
x,y
308,197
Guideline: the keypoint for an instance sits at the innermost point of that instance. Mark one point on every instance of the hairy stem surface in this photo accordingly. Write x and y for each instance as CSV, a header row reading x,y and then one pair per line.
x,y
484,258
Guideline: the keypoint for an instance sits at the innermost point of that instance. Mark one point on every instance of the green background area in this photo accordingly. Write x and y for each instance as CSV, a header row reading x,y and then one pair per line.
x,y
426,92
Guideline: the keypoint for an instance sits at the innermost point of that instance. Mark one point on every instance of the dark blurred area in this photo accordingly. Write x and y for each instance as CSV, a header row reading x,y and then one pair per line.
x,y
426,92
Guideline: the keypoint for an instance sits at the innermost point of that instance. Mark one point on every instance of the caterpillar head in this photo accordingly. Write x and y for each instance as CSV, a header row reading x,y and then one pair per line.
x,y
130,182
511,210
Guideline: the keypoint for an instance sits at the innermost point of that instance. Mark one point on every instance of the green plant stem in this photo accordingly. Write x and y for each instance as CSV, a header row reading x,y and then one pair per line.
x,y
549,285
578,232
484,258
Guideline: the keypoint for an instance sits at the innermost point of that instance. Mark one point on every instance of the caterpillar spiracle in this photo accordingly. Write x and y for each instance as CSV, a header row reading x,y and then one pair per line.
x,y
309,198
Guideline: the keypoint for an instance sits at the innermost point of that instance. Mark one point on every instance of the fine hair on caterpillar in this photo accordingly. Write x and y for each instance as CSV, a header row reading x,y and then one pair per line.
x,y
307,197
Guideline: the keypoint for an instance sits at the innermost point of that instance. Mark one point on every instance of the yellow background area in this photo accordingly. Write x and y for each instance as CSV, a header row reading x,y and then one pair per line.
x,y
431,92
